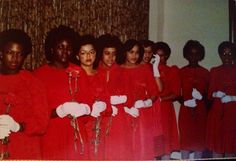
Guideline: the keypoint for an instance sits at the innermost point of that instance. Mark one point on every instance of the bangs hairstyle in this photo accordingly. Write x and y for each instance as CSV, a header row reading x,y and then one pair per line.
x,y
162,46
107,41
227,44
16,36
58,34
194,44
127,46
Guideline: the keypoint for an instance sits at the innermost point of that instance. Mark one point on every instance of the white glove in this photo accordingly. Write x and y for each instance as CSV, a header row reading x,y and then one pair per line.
x,y
190,103
226,99
155,65
139,104
114,110
115,100
132,111
233,98
4,132
72,108
196,94
148,103
218,94
98,107
9,123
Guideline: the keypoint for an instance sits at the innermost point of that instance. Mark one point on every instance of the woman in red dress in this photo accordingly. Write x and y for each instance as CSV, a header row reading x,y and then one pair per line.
x,y
141,90
65,137
108,51
221,127
171,91
23,105
98,97
193,110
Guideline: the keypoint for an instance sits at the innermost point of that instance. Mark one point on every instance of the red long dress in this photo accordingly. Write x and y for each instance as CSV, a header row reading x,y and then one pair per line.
x,y
139,84
29,106
58,142
117,134
171,84
221,127
96,127
192,121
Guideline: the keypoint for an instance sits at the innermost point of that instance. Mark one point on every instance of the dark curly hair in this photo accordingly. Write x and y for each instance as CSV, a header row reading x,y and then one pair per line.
x,y
194,44
17,36
84,40
227,44
147,43
106,41
127,46
163,46
58,34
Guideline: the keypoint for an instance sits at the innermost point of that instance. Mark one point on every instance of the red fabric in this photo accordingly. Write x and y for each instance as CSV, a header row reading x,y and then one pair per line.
x,y
117,133
192,121
171,84
221,127
98,92
58,142
136,135
30,107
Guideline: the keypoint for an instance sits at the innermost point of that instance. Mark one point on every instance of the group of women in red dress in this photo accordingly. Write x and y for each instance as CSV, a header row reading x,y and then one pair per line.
x,y
99,98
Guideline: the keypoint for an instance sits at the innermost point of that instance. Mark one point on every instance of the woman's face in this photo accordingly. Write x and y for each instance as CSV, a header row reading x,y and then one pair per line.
x,y
147,54
227,57
86,55
109,56
163,56
12,58
132,55
193,57
62,51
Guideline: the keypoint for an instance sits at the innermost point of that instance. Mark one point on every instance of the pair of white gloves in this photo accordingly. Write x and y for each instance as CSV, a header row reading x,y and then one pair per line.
x,y
116,100
223,97
76,109
134,111
192,102
7,125
155,63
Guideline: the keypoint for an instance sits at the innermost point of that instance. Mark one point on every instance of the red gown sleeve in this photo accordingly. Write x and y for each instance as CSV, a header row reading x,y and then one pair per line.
x,y
37,119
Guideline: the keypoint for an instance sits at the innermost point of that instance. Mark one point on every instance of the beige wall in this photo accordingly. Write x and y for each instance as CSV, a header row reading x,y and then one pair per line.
x,y
176,21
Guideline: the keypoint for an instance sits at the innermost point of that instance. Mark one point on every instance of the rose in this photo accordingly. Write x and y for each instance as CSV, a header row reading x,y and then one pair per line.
x,y
73,72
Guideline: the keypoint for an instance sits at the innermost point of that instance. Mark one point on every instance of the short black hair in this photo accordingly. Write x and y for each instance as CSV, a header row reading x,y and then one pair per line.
x,y
127,46
163,46
17,36
227,44
57,34
194,44
147,43
85,39
106,41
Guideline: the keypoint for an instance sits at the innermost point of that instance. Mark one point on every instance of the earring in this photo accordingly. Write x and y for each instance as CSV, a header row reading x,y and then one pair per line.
x,y
77,57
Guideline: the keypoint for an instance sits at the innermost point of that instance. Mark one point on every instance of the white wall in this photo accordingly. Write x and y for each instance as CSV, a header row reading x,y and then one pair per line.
x,y
176,21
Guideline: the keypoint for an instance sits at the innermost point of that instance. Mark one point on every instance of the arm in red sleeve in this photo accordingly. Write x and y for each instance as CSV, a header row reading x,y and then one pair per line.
x,y
37,117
